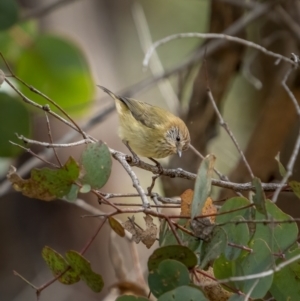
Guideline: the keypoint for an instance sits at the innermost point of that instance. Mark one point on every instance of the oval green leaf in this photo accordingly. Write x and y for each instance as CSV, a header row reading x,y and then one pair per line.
x,y
214,248
286,284
169,275
83,268
57,68
176,252
184,292
96,164
58,265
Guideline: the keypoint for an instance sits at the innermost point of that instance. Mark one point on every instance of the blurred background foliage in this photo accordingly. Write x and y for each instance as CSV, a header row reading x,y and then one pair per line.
x,y
64,48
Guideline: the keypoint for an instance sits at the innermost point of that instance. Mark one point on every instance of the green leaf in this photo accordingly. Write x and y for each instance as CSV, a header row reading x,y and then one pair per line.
x,y
231,207
295,187
14,118
85,188
58,69
168,275
238,234
282,169
278,236
166,236
96,164
58,265
185,292
223,268
176,252
286,283
203,185
213,249
72,195
9,13
83,268
11,48
237,298
131,298
47,184
256,262
259,198
247,264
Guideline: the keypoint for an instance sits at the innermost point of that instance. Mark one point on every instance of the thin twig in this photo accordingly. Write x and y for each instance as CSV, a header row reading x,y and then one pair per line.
x,y
227,129
135,181
53,145
37,156
295,152
51,140
262,274
225,37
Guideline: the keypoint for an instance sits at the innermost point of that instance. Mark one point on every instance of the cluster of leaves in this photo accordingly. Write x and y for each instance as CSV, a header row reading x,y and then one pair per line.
x,y
49,184
243,238
52,64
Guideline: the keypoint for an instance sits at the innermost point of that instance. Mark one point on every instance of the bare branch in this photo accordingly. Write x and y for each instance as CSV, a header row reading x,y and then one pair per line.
x,y
214,36
135,181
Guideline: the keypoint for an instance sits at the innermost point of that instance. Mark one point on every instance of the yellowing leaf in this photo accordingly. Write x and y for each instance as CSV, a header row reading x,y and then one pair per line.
x,y
46,184
116,226
58,265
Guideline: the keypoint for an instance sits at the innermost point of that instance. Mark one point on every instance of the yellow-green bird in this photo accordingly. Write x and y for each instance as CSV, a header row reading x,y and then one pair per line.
x,y
150,131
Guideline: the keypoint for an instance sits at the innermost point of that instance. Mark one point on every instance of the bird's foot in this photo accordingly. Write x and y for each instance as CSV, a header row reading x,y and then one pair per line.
x,y
134,159
158,165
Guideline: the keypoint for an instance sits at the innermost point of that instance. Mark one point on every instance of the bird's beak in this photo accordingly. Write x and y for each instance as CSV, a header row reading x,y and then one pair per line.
x,y
179,152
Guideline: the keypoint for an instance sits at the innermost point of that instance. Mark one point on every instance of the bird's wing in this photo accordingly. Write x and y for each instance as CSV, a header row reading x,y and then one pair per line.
x,y
147,114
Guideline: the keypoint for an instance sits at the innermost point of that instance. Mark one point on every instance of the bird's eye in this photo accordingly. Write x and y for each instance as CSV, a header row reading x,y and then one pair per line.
x,y
178,138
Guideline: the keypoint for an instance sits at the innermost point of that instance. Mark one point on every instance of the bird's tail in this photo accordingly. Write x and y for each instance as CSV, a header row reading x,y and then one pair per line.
x,y
111,94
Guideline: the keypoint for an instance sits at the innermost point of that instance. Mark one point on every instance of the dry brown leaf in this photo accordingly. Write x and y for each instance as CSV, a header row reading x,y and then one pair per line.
x,y
209,208
186,202
148,236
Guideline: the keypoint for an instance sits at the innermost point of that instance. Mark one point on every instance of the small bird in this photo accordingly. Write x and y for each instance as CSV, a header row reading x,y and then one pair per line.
x,y
148,130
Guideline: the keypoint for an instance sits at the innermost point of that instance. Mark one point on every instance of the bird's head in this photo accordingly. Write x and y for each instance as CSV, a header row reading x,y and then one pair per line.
x,y
178,138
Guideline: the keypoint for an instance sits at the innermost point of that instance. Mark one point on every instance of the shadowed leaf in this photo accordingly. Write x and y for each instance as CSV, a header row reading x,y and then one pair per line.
x,y
83,268
96,165
58,265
